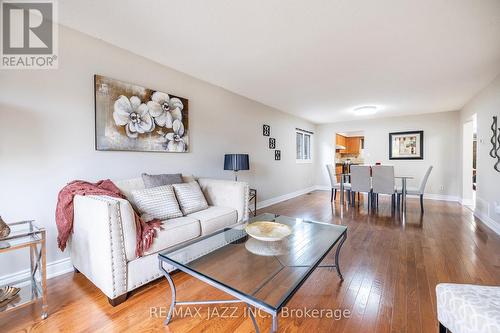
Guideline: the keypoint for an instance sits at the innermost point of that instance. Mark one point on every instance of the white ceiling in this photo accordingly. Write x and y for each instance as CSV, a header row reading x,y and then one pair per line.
x,y
317,59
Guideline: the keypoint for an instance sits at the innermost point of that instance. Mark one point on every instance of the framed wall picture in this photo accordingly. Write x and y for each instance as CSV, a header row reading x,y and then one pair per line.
x,y
266,130
272,143
406,145
129,117
277,155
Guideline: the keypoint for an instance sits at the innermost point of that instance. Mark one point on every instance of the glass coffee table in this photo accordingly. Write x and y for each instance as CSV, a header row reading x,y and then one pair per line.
x,y
264,275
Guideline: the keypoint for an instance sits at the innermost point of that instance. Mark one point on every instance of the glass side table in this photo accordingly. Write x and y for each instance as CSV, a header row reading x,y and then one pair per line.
x,y
34,287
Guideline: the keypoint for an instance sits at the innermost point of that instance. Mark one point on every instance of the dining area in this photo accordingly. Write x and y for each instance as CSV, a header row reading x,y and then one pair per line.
x,y
354,183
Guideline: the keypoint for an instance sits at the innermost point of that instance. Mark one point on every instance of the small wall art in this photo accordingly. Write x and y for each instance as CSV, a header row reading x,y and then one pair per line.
x,y
277,155
266,130
272,143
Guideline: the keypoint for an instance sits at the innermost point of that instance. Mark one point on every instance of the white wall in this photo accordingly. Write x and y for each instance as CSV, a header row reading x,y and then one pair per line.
x,y
467,158
486,104
47,133
440,148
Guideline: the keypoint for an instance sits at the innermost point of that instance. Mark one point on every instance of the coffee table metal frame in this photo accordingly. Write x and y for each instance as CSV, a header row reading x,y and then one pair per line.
x,y
239,296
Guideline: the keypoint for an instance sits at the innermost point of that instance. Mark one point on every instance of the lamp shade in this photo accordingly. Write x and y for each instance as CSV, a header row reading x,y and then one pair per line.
x,y
236,162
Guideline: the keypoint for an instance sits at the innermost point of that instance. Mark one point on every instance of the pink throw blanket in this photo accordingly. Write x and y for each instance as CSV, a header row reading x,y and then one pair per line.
x,y
64,213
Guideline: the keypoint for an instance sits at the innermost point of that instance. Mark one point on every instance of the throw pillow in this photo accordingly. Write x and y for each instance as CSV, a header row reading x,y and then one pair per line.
x,y
190,196
157,203
160,180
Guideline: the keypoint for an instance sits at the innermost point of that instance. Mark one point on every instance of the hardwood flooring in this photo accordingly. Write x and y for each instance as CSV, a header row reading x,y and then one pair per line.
x,y
390,271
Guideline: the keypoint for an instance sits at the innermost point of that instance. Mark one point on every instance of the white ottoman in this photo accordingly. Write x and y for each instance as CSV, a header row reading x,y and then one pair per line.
x,y
467,308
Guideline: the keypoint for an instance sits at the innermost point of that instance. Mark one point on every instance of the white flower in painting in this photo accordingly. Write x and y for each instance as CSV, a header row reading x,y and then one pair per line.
x,y
164,109
175,141
134,115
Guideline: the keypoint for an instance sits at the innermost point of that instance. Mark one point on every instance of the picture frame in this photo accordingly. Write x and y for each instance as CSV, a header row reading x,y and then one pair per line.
x,y
277,155
266,130
408,145
130,117
272,143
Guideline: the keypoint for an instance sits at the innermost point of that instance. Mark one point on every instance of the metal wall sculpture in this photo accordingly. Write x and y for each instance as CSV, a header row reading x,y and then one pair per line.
x,y
495,142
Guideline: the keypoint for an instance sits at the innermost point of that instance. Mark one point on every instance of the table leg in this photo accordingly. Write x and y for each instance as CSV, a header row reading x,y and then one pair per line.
x,y
341,190
337,254
254,321
255,204
403,198
172,304
274,327
43,267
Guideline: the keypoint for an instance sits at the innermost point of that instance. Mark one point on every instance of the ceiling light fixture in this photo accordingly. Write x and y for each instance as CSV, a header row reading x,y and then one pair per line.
x,y
365,110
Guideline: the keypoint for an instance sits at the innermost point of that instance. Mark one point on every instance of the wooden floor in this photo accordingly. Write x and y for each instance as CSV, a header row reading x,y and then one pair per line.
x,y
390,271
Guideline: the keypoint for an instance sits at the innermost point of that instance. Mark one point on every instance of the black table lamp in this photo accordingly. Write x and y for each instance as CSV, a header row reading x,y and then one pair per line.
x,y
236,162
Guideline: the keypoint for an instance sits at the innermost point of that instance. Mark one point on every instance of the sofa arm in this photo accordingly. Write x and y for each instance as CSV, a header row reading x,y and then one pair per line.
x,y
227,193
103,233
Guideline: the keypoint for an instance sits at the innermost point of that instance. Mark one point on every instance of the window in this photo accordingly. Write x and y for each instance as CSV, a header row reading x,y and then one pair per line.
x,y
303,143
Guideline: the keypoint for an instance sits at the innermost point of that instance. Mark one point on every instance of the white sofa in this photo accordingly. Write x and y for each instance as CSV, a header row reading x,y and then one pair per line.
x,y
104,234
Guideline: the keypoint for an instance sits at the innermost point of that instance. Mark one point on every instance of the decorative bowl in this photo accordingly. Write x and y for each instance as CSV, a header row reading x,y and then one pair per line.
x,y
268,231
261,248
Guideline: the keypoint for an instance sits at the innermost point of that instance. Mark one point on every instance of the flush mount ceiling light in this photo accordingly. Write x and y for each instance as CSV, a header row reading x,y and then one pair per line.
x,y
365,110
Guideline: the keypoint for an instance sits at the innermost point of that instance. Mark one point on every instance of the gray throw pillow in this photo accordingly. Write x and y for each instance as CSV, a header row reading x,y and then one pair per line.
x,y
160,180
157,203
190,197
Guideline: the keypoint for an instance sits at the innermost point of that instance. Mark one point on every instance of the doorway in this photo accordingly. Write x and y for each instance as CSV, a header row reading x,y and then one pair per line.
x,y
469,145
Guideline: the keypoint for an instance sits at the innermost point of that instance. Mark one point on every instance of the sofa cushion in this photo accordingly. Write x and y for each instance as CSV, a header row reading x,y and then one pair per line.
x,y
215,218
126,186
175,231
190,196
157,203
160,180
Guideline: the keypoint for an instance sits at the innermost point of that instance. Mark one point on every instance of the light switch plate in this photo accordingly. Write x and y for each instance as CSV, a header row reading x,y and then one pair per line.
x,y
497,208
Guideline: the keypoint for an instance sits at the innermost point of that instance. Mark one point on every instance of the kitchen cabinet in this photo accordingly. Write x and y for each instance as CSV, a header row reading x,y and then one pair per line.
x,y
340,140
353,145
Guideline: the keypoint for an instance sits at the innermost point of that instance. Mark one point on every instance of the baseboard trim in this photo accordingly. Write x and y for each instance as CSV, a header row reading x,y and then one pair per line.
x,y
429,196
54,269
466,202
284,197
488,221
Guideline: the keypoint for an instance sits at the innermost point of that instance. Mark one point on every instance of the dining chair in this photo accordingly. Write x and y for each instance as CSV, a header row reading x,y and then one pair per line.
x,y
418,190
360,182
383,183
336,185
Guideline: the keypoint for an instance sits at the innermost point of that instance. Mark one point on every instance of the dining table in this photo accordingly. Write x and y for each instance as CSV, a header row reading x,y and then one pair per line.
x,y
404,179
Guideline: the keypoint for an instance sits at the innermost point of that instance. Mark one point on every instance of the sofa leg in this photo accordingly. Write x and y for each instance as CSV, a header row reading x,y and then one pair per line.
x,y
75,270
442,328
119,300
422,203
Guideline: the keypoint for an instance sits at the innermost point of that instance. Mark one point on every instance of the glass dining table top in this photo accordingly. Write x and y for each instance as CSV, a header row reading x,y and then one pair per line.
x,y
266,272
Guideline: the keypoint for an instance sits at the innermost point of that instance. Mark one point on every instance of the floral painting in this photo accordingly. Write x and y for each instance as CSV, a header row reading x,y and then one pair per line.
x,y
134,118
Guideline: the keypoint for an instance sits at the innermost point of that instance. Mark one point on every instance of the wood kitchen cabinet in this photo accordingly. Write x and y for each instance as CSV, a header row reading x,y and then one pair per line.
x,y
341,140
353,145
